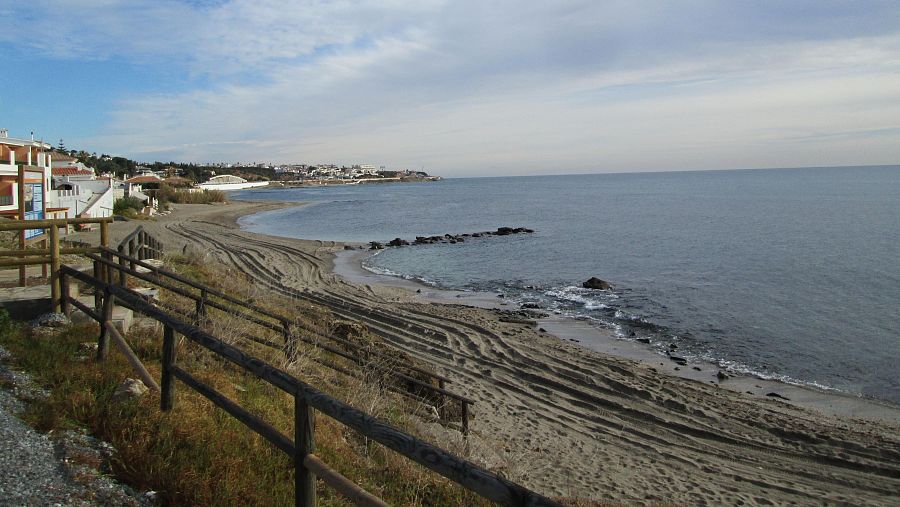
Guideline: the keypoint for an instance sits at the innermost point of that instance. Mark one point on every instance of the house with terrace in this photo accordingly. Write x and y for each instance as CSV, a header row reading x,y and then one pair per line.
x,y
25,181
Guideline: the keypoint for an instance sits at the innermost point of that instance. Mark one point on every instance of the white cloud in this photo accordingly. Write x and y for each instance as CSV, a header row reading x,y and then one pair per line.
x,y
517,87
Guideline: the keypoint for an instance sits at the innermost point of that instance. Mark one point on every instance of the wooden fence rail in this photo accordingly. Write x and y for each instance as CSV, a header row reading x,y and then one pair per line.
x,y
50,254
127,265
307,401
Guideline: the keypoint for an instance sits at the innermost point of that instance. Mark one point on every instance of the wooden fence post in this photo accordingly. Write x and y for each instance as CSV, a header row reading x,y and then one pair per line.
x,y
54,268
106,315
123,279
167,381
304,444
104,233
97,300
131,252
290,346
201,306
107,267
64,295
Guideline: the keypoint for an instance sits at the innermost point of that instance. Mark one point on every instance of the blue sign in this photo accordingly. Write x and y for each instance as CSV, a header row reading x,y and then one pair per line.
x,y
34,207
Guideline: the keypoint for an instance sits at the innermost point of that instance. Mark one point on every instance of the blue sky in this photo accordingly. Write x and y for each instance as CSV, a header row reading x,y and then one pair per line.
x,y
460,88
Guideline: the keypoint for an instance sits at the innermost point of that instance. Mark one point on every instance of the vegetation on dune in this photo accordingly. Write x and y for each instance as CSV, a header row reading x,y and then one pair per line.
x,y
123,205
169,194
199,455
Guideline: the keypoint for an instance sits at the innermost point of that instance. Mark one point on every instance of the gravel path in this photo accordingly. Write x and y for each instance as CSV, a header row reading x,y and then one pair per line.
x,y
38,471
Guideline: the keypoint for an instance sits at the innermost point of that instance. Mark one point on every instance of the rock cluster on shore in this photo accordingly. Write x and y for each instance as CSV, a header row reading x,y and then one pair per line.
x,y
450,238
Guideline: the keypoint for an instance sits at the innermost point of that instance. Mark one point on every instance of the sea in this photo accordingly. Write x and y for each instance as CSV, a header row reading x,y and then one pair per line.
x,y
785,274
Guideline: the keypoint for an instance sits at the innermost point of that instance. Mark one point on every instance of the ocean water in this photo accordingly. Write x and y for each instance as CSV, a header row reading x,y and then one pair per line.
x,y
789,274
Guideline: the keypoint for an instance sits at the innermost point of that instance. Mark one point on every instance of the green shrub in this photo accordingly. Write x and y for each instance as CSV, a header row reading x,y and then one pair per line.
x,y
126,203
167,194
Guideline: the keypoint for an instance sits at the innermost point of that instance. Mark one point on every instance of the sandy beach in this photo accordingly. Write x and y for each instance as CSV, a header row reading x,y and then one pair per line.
x,y
598,418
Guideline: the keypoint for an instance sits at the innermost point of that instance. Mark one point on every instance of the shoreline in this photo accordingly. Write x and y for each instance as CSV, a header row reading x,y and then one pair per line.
x,y
348,265
555,416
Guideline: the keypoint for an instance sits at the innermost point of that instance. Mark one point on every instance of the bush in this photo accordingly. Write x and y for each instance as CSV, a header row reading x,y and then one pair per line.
x,y
121,206
167,194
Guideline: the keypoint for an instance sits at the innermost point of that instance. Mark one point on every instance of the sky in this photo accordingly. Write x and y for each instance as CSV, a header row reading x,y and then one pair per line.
x,y
461,88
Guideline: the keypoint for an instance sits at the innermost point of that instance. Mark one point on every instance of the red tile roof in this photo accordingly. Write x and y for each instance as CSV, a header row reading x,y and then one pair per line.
x,y
70,171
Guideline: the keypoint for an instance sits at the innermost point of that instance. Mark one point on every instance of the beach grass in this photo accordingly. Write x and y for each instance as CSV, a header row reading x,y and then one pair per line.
x,y
198,454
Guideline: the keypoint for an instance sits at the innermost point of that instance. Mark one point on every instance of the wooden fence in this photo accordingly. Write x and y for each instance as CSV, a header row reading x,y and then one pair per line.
x,y
307,402
113,265
50,255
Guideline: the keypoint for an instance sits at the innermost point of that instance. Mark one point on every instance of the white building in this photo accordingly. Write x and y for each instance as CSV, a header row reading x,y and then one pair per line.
x,y
230,182
24,178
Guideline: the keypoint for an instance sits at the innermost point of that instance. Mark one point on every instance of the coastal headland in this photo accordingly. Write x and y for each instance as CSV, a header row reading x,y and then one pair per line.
x,y
563,419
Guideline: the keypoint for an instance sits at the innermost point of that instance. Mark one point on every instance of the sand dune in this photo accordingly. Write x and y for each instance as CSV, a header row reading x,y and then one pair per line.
x,y
567,421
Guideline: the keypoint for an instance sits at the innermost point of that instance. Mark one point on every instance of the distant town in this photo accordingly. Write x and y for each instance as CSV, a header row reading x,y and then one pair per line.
x,y
38,180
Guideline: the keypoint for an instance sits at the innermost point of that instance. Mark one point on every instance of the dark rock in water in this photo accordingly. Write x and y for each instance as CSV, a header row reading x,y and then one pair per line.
x,y
776,395
501,296
452,241
642,340
697,368
721,376
398,242
505,231
596,283
677,369
476,235
680,360
542,330
749,392
418,291
532,306
528,231
374,245
672,346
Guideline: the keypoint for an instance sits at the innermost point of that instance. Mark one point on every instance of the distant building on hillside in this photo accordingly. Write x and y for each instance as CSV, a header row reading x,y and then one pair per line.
x,y
230,182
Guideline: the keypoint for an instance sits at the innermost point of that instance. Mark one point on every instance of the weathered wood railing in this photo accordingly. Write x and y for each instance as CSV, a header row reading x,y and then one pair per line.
x,y
307,401
141,244
110,261
50,254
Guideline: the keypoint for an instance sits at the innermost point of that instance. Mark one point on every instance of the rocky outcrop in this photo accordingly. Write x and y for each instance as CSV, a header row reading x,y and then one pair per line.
x,y
453,238
596,283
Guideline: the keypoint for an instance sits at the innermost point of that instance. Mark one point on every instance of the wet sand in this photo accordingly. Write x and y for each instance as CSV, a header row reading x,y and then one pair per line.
x,y
591,419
